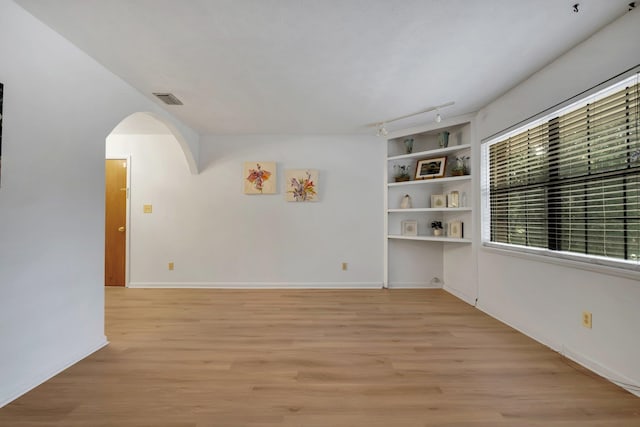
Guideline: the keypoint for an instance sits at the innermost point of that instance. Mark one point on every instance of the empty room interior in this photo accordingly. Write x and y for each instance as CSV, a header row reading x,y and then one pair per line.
x,y
319,213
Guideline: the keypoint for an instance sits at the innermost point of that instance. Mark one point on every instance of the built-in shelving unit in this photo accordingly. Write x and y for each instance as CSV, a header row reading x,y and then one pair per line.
x,y
414,260
430,238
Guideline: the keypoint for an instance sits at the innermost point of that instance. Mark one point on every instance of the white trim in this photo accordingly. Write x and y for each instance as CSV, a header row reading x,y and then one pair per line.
x,y
385,205
40,378
460,295
606,373
257,285
609,374
588,263
542,340
413,285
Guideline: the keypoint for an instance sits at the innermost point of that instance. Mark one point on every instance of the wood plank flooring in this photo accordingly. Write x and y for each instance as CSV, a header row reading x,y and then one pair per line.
x,y
262,358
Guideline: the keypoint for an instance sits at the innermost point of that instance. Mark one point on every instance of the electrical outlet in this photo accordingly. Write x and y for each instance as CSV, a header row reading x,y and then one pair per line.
x,y
586,319
171,266
147,208
344,266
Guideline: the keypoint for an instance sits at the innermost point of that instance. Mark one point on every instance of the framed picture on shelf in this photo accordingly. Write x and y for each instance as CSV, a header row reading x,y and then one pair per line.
x,y
455,229
431,168
438,201
409,227
453,199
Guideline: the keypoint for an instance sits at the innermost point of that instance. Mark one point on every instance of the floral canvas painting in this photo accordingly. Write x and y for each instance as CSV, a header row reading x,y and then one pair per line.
x,y
259,177
301,185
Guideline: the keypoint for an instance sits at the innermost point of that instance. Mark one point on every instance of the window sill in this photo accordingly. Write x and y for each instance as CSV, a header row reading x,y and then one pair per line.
x,y
594,264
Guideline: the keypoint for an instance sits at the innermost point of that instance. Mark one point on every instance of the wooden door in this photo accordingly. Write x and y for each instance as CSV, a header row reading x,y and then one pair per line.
x,y
115,222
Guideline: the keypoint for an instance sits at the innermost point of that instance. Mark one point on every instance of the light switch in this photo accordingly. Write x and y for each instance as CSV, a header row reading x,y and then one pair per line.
x,y
147,208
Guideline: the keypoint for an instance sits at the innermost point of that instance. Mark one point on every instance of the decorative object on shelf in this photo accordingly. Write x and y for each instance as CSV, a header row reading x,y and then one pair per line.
x,y
437,228
301,185
443,139
453,199
259,177
463,200
438,201
431,168
461,167
406,202
409,227
401,173
455,229
408,143
458,168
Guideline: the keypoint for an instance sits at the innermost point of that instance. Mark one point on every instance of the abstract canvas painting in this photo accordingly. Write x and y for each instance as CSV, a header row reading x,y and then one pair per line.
x,y
259,177
301,185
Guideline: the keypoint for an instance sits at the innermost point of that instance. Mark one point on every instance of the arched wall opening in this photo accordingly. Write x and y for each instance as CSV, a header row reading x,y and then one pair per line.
x,y
147,123
133,143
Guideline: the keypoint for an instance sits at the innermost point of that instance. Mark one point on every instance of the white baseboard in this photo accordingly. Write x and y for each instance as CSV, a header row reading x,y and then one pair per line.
x,y
542,340
608,374
257,285
460,295
413,285
41,377
616,378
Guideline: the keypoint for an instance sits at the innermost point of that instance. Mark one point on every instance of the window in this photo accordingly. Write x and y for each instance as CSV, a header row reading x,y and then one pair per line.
x,y
569,183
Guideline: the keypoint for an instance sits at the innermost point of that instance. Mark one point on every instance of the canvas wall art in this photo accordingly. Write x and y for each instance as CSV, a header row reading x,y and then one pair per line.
x,y
259,177
301,185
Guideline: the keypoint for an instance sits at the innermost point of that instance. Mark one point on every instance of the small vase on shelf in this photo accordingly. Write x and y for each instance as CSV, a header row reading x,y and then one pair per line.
x,y
406,202
408,143
443,139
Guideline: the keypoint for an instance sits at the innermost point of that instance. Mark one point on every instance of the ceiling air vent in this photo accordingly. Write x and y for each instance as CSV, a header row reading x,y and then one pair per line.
x,y
168,98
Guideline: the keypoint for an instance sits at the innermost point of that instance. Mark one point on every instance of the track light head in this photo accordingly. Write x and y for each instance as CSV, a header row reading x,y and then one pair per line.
x,y
382,131
438,118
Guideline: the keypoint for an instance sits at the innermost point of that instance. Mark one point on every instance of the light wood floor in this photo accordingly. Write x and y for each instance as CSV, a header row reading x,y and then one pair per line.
x,y
262,358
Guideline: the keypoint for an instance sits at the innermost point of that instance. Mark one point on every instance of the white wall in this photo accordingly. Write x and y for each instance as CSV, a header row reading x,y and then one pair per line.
x,y
546,300
59,106
219,237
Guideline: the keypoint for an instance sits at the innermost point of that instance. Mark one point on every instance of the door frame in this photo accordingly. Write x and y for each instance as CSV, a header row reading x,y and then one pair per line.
x,y
127,237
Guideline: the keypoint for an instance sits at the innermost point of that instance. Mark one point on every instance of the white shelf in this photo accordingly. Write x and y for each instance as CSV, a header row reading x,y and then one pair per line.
x,y
410,259
432,153
430,210
430,181
429,238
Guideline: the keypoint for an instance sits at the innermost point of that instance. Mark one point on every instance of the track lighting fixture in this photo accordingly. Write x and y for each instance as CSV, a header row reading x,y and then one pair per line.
x,y
382,131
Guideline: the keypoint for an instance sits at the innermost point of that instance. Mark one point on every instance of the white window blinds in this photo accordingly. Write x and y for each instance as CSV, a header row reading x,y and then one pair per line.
x,y
570,182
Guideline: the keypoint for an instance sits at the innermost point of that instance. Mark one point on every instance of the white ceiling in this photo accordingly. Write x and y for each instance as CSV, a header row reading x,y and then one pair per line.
x,y
322,66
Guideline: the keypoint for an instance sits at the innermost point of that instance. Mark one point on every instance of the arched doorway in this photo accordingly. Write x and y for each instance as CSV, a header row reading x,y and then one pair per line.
x,y
118,187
